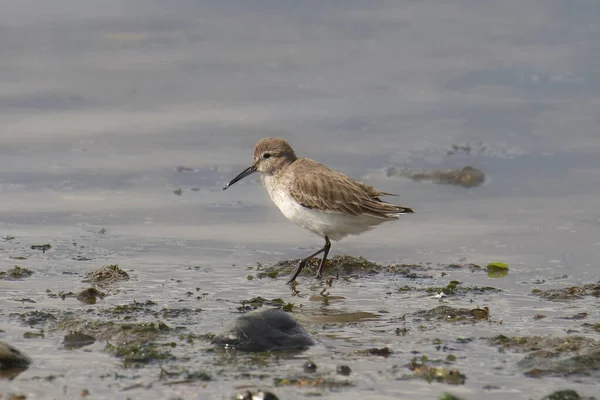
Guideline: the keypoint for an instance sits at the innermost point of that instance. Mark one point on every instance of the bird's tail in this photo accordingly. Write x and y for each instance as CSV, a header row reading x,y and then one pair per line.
x,y
404,210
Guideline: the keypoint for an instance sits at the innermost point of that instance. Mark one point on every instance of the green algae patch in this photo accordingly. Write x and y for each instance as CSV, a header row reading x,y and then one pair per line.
x,y
497,269
131,308
172,313
591,327
190,338
433,371
450,396
136,344
312,382
117,331
381,352
337,317
42,247
106,275
35,318
183,377
139,354
34,335
15,274
451,314
136,309
572,356
454,288
257,302
569,293
60,295
342,266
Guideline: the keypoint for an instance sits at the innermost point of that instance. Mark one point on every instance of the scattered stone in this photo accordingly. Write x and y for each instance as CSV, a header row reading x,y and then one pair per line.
x,y
566,395
264,330
12,358
76,340
310,366
343,370
449,396
248,395
15,274
466,177
90,295
401,331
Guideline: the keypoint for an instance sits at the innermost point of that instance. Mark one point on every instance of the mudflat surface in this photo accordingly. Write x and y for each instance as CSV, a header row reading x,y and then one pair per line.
x,y
121,121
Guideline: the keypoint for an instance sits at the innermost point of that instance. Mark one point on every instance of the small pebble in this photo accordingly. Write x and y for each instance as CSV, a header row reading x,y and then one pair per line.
x,y
310,366
343,370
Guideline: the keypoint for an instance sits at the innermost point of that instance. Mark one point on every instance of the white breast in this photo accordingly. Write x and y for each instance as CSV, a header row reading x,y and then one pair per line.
x,y
333,224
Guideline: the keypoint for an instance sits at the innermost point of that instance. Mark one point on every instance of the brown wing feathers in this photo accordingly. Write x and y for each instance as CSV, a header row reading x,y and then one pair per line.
x,y
329,190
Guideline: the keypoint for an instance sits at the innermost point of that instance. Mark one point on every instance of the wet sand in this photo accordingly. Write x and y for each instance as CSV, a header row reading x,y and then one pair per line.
x,y
121,123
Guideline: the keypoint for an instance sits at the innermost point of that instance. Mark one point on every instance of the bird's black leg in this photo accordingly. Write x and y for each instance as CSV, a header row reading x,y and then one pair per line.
x,y
305,260
325,252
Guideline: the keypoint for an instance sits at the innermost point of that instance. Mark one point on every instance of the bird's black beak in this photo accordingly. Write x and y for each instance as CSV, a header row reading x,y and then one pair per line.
x,y
250,170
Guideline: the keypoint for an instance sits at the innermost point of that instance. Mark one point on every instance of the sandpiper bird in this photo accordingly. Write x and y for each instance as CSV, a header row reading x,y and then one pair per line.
x,y
317,198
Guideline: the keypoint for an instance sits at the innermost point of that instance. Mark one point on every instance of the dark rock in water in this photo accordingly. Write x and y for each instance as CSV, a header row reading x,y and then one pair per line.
x,y
264,330
90,295
564,395
76,340
12,358
248,395
343,370
310,366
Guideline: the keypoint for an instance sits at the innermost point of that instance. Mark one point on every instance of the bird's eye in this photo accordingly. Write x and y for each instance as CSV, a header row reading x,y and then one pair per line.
x,y
266,155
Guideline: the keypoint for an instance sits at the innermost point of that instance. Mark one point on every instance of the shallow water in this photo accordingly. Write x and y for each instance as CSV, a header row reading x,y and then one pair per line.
x,y
102,101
